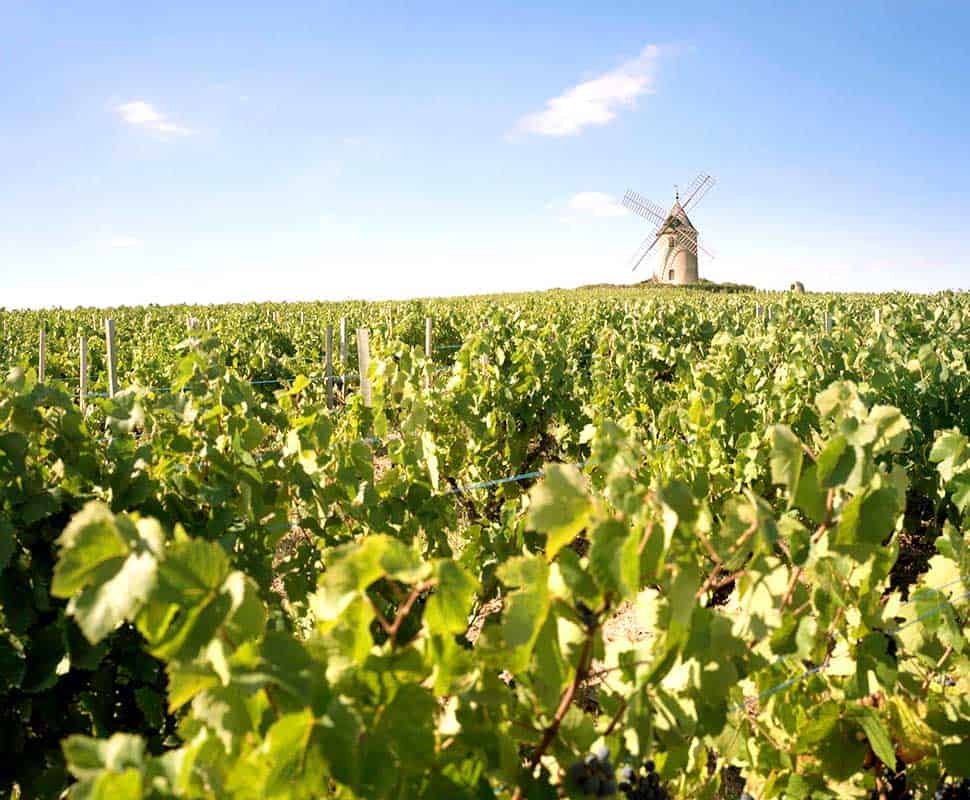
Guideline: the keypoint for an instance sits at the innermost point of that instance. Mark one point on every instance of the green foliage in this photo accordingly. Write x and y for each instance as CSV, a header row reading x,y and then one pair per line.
x,y
233,589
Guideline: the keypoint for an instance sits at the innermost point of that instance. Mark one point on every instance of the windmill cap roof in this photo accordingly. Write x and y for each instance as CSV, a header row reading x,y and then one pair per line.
x,y
677,212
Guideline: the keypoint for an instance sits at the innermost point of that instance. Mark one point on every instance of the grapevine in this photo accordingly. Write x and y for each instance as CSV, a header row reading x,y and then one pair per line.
x,y
603,545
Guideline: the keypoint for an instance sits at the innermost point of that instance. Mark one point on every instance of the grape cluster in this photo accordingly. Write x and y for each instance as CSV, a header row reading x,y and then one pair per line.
x,y
587,615
642,784
953,791
594,775
892,787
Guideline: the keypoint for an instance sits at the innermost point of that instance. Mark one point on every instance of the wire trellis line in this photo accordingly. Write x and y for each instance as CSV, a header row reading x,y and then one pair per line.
x,y
259,382
772,690
524,476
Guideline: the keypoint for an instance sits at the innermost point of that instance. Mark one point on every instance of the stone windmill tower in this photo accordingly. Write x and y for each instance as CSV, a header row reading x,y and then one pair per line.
x,y
673,232
677,261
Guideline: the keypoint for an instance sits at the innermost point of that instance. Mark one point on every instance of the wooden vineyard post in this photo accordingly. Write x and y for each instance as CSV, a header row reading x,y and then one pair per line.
x,y
343,353
109,337
42,355
428,350
827,322
363,359
328,367
768,314
343,341
878,315
83,383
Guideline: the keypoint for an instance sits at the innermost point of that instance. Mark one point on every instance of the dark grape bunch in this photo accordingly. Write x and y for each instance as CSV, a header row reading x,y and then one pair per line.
x,y
587,615
892,787
594,775
642,784
953,791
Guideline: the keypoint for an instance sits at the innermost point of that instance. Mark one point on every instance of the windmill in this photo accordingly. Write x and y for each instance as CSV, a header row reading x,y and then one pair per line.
x,y
677,259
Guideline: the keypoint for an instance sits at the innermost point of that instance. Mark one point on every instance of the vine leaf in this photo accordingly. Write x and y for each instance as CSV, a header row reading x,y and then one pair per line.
x,y
613,559
786,458
448,606
526,608
877,734
107,568
560,506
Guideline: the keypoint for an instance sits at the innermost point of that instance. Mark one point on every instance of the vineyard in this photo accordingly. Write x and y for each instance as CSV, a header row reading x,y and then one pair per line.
x,y
637,544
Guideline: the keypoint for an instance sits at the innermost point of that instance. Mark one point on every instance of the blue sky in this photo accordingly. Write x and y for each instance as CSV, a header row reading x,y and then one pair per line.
x,y
322,151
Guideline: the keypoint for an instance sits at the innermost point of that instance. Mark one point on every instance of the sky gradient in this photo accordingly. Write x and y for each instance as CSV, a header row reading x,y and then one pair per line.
x,y
325,151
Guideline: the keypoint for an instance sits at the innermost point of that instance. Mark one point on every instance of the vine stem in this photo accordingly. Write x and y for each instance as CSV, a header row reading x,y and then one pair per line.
x,y
797,574
405,609
616,717
566,700
944,657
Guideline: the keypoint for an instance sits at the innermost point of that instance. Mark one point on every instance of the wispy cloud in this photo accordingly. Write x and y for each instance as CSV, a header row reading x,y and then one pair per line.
x,y
145,115
596,204
596,101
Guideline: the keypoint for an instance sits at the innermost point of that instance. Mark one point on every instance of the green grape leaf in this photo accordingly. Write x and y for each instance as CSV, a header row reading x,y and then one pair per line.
x,y
87,757
91,546
559,506
613,559
868,518
835,463
877,733
526,607
811,498
950,453
291,754
892,429
354,567
108,568
956,759
786,458
126,785
450,603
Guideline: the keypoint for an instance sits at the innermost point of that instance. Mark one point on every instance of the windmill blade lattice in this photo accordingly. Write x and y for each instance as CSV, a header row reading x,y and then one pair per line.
x,y
698,189
686,242
645,247
644,208
694,186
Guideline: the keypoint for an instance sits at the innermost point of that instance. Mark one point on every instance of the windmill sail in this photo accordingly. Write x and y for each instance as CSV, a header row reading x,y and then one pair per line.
x,y
701,186
645,247
643,207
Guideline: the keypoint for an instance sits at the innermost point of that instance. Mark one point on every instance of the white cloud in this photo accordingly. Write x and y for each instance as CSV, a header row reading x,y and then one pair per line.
x,y
597,204
143,114
596,101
